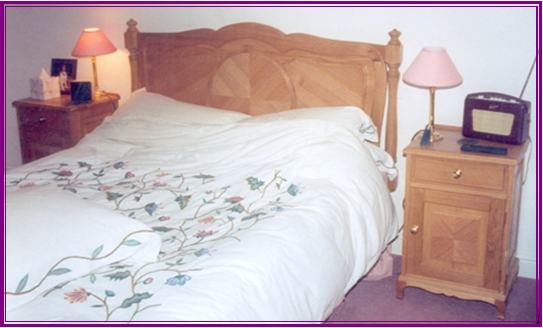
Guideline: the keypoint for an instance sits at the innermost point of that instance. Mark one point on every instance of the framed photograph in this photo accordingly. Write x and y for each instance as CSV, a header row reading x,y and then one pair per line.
x,y
66,70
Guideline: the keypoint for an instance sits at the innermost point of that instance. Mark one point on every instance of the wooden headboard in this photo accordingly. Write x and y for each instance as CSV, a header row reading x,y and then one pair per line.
x,y
257,69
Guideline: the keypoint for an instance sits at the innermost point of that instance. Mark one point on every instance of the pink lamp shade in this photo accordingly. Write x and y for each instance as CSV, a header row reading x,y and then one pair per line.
x,y
432,68
93,42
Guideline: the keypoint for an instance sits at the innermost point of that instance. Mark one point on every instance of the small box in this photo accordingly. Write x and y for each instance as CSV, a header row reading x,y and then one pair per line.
x,y
44,88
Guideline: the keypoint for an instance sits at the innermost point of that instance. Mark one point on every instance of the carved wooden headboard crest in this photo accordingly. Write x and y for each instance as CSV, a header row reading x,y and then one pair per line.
x,y
257,69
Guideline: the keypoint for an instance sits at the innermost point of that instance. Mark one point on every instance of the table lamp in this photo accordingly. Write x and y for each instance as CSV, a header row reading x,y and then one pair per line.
x,y
93,42
433,69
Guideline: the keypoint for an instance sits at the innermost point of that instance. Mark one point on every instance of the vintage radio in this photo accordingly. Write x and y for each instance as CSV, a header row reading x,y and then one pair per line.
x,y
496,117
81,91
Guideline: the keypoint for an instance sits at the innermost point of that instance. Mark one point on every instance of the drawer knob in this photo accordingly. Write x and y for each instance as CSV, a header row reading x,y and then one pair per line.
x,y
414,229
457,173
42,119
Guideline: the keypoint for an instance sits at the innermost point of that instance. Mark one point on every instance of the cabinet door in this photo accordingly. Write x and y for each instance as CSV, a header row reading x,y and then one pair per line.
x,y
455,237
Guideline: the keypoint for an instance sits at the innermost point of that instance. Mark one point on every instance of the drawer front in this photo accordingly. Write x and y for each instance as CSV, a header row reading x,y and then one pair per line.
x,y
460,173
44,119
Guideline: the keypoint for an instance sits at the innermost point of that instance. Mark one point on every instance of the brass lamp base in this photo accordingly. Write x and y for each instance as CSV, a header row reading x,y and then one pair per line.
x,y
434,135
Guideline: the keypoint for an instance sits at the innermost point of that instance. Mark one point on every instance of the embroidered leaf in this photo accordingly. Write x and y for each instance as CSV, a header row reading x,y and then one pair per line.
x,y
92,278
97,306
238,208
131,242
22,284
99,174
59,271
135,299
252,216
113,195
202,251
161,229
254,183
204,176
183,201
97,251
118,275
109,293
83,164
71,190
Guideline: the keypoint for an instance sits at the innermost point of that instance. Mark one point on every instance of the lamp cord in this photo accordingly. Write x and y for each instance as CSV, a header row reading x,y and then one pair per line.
x,y
527,166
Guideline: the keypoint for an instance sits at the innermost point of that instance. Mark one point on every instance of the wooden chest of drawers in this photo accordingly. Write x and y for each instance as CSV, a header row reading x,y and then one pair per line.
x,y
461,220
46,127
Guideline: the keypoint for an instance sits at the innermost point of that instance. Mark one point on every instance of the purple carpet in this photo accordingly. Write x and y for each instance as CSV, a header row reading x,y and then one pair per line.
x,y
375,301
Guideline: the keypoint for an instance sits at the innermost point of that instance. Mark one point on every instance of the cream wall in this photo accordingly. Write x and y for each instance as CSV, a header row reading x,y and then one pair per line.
x,y
492,48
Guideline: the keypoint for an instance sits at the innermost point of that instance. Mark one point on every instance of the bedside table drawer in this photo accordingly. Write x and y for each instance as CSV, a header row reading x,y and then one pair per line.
x,y
44,119
37,135
460,173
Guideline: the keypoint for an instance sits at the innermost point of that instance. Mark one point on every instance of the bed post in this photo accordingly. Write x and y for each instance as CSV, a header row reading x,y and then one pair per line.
x,y
131,44
394,53
393,59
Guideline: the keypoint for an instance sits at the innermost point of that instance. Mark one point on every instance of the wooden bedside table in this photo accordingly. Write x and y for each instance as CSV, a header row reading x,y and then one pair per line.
x,y
461,219
47,126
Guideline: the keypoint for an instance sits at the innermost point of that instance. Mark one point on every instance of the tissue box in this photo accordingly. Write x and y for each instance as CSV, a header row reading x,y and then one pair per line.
x,y
44,88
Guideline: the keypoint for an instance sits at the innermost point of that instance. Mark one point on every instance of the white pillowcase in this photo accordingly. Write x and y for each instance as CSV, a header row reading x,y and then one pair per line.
x,y
53,236
148,105
353,118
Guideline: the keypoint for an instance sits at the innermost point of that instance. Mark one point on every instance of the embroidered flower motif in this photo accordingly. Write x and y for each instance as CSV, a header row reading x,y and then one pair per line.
x,y
293,190
208,220
203,233
105,188
118,165
26,185
151,208
159,184
178,280
148,281
234,200
163,218
129,175
77,296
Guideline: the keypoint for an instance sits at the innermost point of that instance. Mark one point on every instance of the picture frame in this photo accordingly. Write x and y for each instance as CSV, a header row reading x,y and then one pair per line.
x,y
66,70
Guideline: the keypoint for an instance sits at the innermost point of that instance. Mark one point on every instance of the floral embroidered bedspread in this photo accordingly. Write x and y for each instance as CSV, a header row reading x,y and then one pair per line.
x,y
242,240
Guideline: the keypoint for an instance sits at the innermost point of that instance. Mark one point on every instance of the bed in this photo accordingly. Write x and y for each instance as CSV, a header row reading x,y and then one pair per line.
x,y
241,182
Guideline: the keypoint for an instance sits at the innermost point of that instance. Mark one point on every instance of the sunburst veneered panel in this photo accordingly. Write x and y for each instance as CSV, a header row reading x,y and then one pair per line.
x,y
251,83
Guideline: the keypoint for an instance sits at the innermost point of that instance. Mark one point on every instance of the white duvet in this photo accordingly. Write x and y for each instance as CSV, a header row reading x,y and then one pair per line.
x,y
259,221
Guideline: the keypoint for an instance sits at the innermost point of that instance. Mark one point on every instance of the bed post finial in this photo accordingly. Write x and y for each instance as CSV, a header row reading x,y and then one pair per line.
x,y
131,44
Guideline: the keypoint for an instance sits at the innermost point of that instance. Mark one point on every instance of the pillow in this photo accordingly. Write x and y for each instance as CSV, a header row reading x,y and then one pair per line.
x,y
148,105
53,236
353,118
